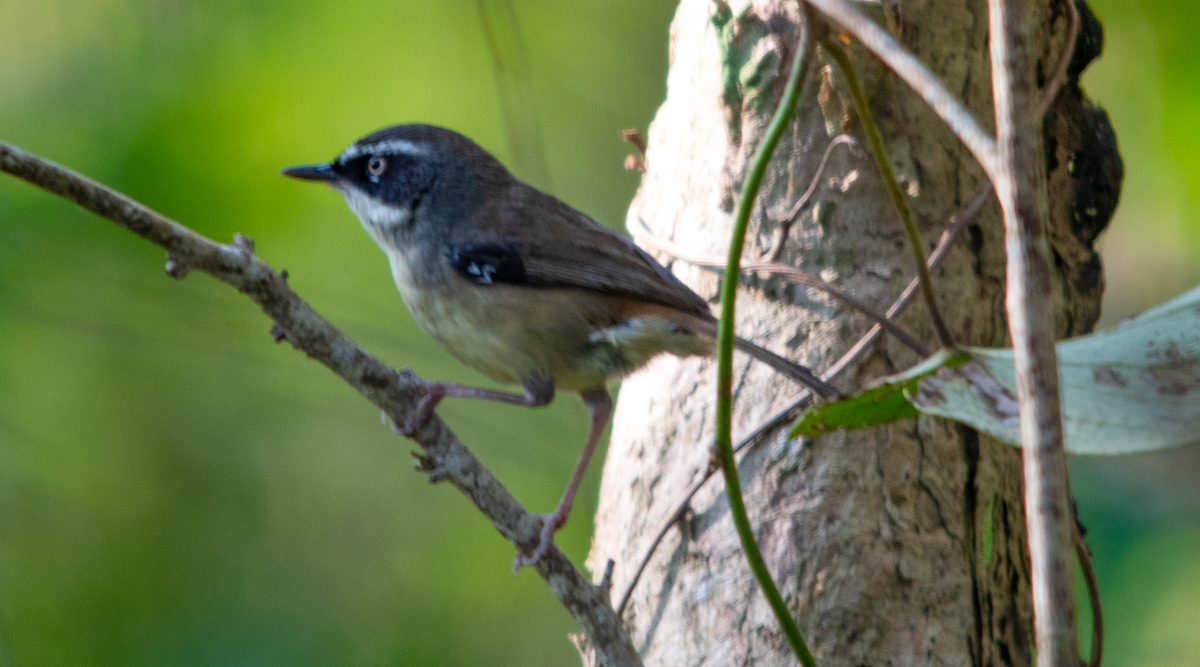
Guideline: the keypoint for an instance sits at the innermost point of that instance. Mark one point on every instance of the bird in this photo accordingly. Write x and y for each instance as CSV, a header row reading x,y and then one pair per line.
x,y
516,284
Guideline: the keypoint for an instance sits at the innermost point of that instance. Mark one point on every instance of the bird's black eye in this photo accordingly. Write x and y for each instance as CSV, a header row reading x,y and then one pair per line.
x,y
375,167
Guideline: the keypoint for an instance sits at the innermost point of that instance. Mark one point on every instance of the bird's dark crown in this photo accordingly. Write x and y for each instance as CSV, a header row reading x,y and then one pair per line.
x,y
415,157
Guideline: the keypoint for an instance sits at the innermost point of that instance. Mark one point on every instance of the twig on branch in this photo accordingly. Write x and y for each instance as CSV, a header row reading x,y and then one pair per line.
x,y
785,225
840,139
1020,181
396,393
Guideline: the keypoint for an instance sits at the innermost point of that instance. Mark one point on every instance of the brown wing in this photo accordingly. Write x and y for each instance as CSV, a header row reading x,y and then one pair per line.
x,y
535,239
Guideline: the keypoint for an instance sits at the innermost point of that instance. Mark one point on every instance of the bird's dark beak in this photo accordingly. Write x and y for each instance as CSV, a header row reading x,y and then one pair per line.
x,y
314,172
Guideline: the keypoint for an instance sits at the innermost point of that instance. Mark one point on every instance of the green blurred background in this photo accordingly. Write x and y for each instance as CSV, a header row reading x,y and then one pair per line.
x,y
175,489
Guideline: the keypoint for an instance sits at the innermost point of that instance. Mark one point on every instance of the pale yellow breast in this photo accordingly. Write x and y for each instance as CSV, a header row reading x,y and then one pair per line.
x,y
575,337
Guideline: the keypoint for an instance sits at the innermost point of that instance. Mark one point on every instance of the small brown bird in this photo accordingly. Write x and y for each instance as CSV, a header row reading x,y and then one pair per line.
x,y
516,284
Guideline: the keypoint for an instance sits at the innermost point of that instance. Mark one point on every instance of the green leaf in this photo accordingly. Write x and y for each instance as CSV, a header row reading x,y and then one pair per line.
x,y
1133,388
883,403
874,406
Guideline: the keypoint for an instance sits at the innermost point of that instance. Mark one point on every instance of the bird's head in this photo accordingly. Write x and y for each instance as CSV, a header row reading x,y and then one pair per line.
x,y
410,183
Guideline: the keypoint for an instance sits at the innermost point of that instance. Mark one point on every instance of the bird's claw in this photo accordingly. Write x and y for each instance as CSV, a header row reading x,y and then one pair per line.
x,y
424,412
407,430
550,523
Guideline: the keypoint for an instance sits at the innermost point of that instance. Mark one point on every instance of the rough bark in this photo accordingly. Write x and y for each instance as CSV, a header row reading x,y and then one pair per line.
x,y
898,545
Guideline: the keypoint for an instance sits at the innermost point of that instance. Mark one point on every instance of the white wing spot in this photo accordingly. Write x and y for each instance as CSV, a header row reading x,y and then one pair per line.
x,y
484,273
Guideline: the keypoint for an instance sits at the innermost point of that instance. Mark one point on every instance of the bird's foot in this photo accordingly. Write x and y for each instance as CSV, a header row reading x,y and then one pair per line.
x,y
550,524
407,430
434,392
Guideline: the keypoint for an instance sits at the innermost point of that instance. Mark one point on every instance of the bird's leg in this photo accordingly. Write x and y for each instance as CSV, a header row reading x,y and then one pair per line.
x,y
599,405
539,391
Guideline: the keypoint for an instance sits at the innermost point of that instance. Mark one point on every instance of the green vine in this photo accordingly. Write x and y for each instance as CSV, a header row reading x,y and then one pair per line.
x,y
725,337
889,179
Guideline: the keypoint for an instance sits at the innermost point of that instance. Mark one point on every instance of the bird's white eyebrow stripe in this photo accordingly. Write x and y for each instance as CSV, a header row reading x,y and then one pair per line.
x,y
388,147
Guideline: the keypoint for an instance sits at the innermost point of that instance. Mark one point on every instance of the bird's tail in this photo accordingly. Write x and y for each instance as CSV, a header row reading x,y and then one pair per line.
x,y
707,327
786,367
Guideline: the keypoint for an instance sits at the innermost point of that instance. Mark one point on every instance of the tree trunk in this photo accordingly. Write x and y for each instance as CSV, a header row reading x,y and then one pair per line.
x,y
892,546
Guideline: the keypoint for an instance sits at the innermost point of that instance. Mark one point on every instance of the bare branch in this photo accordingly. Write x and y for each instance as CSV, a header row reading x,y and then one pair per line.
x,y
1020,181
396,393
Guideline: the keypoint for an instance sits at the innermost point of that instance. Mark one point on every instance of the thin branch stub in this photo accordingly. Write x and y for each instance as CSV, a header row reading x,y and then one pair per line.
x,y
176,267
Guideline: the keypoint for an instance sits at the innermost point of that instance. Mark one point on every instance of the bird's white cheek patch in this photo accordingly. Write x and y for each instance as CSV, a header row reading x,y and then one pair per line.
x,y
378,218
